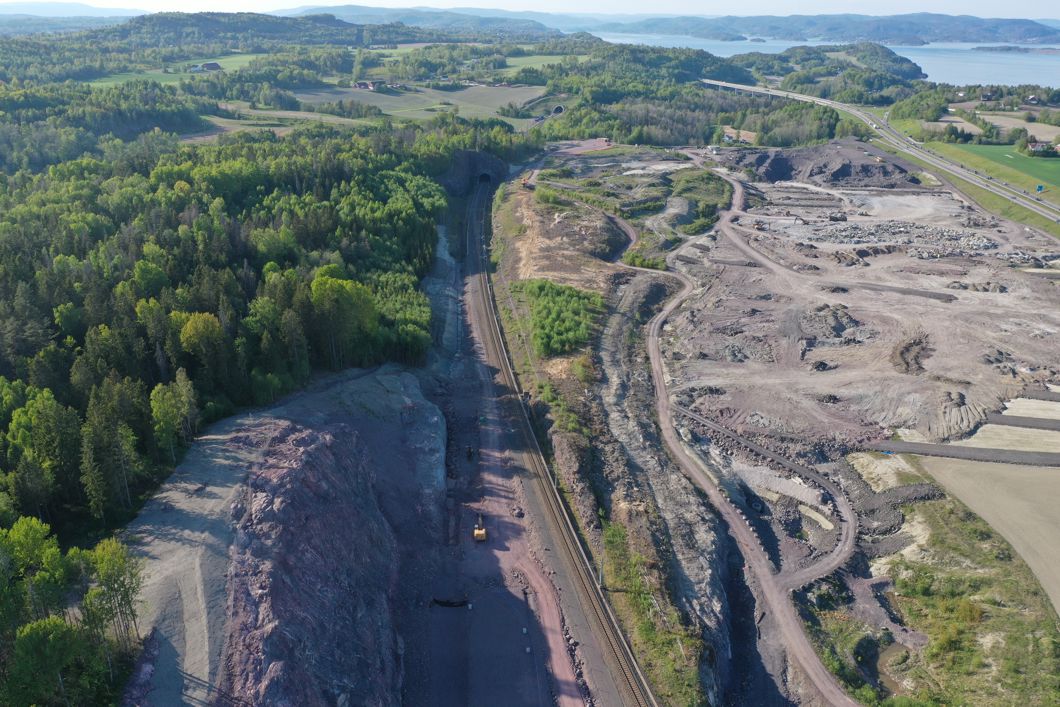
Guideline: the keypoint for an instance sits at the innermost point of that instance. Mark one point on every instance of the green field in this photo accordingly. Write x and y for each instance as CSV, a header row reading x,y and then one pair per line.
x,y
422,103
229,63
1005,163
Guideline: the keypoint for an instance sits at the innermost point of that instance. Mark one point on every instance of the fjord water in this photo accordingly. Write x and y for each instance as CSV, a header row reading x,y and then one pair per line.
x,y
952,63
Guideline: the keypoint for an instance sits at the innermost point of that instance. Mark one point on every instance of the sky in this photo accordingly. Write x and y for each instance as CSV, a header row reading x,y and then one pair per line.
x,y
981,8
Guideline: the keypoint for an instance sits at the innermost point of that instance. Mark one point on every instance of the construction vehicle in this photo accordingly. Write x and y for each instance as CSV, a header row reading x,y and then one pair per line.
x,y
479,532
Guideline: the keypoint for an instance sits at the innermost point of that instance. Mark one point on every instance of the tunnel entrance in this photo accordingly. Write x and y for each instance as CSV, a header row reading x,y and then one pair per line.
x,y
484,178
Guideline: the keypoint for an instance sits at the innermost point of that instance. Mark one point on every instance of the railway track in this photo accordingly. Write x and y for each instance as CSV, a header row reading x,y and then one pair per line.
x,y
604,624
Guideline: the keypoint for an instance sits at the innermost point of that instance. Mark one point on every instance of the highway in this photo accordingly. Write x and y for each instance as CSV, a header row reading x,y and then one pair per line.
x,y
633,688
906,144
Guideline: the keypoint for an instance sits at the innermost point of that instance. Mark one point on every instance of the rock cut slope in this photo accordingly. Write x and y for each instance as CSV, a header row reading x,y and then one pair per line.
x,y
274,553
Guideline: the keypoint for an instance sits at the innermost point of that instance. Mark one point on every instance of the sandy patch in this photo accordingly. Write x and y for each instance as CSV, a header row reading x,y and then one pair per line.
x,y
881,473
918,529
817,517
1019,502
1005,437
1025,407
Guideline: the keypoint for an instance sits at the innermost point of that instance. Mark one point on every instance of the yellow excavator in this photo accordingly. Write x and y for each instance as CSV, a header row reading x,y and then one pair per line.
x,y
479,532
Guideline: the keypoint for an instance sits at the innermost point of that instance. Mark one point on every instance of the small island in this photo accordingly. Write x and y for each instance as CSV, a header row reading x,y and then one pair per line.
x,y
1019,50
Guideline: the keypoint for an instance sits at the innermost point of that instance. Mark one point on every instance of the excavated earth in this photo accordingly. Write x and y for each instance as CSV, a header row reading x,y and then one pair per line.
x,y
935,325
846,162
621,466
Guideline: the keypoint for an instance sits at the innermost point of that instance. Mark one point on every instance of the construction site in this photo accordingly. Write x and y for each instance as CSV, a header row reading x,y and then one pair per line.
x,y
840,357
801,449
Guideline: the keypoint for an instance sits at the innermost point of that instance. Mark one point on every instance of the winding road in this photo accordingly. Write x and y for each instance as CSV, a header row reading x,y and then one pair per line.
x,y
906,144
775,589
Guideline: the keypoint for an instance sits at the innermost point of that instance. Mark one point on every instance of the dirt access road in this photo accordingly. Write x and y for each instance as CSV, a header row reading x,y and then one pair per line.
x,y
774,591
502,640
775,588
609,666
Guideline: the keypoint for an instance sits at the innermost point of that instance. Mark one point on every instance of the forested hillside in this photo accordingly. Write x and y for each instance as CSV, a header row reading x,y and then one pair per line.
x,y
148,287
856,73
152,41
650,95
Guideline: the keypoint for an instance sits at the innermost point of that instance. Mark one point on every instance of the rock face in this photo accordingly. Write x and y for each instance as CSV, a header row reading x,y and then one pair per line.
x,y
281,554
468,166
309,600
352,477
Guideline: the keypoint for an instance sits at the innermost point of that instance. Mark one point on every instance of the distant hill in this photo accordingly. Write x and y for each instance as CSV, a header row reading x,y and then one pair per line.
x,y
70,10
574,22
14,25
919,28
243,28
432,19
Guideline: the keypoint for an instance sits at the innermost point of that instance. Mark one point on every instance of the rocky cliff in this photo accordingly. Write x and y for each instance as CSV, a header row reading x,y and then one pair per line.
x,y
309,600
354,473
279,553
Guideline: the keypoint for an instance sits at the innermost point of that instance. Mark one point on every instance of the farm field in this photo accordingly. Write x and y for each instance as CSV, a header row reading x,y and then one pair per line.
x,y
1017,502
1006,437
535,61
422,103
230,62
947,120
1004,162
1042,131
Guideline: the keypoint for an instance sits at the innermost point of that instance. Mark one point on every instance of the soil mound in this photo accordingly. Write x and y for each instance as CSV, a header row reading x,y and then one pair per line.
x,y
843,164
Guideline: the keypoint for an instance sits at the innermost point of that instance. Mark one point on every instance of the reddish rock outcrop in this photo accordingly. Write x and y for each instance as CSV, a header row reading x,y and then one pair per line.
x,y
312,578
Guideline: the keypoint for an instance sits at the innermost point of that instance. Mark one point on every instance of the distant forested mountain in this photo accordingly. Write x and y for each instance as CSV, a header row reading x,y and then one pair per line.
x,y
12,25
919,28
175,28
433,19
65,10
152,41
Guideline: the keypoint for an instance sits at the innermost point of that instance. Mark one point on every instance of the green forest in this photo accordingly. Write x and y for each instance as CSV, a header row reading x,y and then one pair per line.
x,y
149,286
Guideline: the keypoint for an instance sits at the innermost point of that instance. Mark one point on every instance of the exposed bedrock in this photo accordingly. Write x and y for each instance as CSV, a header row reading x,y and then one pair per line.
x,y
309,607
690,539
352,477
280,554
